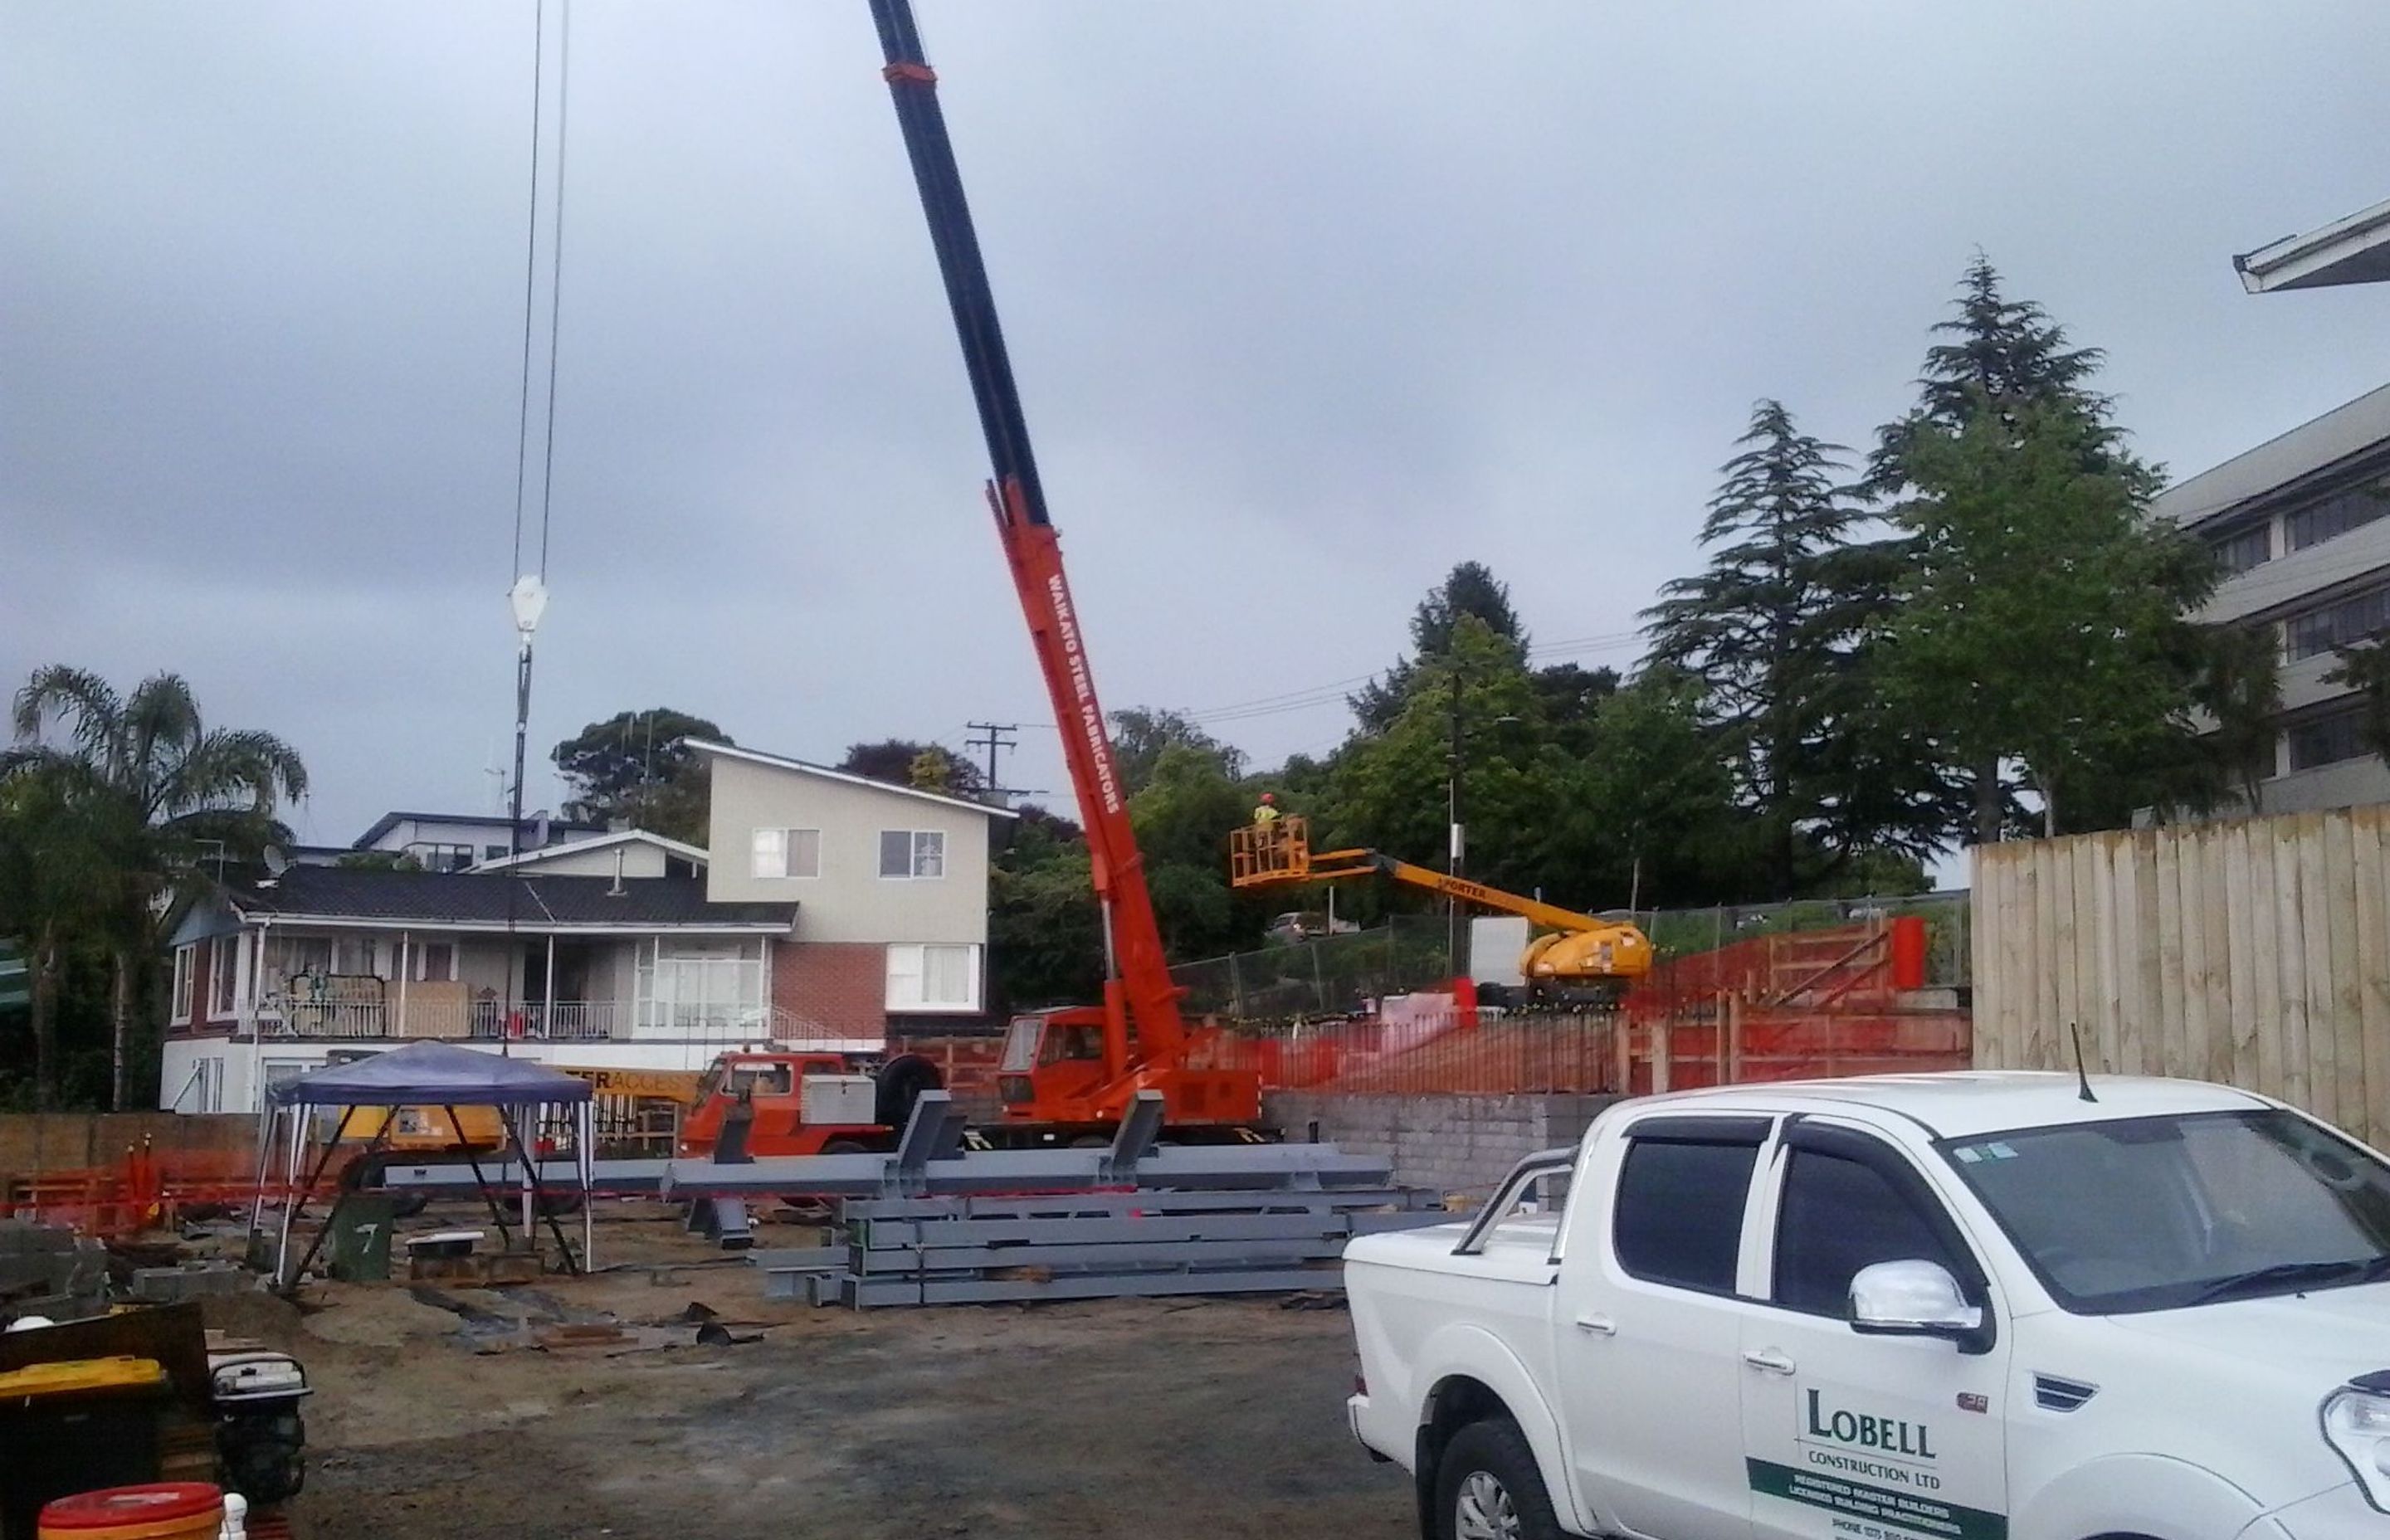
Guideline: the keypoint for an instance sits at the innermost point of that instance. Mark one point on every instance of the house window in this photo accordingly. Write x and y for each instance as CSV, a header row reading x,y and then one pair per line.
x,y
360,955
2336,625
493,853
184,957
932,978
435,961
2251,548
204,1091
2350,510
788,853
912,853
223,976
2328,741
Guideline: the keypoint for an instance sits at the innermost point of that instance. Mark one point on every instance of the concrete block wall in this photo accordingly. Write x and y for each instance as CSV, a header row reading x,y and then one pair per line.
x,y
1452,1144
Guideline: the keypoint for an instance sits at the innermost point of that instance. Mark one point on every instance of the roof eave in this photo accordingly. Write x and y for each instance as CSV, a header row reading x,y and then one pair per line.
x,y
2345,251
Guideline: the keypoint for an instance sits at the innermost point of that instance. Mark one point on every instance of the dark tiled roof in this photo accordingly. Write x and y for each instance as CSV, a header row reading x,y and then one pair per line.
x,y
471,898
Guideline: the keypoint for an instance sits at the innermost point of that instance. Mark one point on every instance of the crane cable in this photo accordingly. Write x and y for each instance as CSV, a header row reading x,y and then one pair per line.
x,y
531,279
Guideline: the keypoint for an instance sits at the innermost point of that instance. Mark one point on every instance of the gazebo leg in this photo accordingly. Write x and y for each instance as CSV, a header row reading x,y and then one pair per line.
x,y
506,1237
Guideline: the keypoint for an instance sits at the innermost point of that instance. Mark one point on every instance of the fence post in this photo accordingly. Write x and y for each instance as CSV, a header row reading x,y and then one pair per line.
x,y
1661,1049
1731,1071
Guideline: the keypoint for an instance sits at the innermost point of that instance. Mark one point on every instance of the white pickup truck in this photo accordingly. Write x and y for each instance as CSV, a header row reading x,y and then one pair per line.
x,y
1970,1306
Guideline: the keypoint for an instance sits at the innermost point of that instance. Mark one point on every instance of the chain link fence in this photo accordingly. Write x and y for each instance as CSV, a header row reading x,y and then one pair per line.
x,y
1347,975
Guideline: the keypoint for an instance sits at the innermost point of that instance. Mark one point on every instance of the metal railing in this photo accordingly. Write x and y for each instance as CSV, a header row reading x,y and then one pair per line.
x,y
562,1020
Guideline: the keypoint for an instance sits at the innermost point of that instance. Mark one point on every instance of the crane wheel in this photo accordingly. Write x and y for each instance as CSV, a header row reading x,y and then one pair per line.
x,y
900,1082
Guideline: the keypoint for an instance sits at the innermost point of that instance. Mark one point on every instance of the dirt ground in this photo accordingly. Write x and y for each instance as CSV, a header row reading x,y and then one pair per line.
x,y
466,1413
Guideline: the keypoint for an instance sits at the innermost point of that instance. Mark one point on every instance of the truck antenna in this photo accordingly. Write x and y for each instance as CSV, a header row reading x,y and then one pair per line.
x,y
2082,1077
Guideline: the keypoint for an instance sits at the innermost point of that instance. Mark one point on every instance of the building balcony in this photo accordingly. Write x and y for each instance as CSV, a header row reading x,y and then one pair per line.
x,y
487,1020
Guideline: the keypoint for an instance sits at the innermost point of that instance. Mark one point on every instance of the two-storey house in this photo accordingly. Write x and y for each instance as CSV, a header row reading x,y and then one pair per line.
x,y
830,910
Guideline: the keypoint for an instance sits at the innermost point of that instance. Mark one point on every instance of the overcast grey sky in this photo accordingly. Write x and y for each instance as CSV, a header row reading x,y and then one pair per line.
x,y
1308,302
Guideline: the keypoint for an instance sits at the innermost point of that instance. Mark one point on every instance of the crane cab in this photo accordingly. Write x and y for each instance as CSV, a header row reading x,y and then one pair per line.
x,y
1058,1072
1050,1058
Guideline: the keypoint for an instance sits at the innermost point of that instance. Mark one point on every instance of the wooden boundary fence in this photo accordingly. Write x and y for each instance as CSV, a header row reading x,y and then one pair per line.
x,y
2254,951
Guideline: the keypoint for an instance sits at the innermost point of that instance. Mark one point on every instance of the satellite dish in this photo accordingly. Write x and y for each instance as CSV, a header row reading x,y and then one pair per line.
x,y
275,861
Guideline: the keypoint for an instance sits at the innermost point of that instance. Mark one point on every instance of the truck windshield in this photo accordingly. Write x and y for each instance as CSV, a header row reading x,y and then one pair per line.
x,y
2159,1213
1020,1045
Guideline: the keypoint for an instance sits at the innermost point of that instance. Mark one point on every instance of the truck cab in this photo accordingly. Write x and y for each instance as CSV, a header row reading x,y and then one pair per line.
x,y
1932,1307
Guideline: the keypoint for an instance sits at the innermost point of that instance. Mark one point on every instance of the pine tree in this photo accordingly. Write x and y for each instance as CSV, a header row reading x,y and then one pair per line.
x,y
1470,588
1777,633
2004,358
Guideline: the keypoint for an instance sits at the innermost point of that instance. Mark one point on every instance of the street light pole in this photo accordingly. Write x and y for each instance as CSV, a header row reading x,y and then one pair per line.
x,y
528,599
1454,843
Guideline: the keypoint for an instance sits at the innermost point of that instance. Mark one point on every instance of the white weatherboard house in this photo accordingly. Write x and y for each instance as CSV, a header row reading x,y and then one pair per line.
x,y
829,909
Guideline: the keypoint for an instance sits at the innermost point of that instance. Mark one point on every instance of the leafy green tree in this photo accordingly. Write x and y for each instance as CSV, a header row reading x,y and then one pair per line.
x,y
60,889
2240,688
2001,357
2043,623
1141,735
894,760
1390,789
1653,812
1781,632
933,769
147,772
1045,938
1470,591
1570,698
637,767
2365,667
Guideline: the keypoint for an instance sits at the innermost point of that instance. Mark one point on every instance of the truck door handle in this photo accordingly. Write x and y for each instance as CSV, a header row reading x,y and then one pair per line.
x,y
1770,1360
1599,1325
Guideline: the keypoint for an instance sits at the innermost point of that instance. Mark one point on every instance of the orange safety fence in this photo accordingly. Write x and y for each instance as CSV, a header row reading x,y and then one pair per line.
x,y
146,1189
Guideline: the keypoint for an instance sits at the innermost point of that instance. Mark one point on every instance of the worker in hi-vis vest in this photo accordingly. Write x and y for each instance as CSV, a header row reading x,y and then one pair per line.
x,y
1266,814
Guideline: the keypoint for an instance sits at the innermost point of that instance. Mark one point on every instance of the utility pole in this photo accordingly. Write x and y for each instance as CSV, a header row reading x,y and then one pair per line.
x,y
993,736
1456,845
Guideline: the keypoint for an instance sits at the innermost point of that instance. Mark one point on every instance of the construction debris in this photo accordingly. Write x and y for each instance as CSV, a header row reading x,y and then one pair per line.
x,y
50,1271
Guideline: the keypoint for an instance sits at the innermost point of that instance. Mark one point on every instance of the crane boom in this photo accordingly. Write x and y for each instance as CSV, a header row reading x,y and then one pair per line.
x,y
1138,994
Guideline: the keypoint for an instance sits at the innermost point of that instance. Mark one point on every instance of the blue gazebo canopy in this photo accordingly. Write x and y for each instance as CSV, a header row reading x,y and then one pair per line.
x,y
434,1074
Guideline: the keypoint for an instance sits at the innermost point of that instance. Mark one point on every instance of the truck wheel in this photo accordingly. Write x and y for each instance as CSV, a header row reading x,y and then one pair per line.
x,y
1488,1487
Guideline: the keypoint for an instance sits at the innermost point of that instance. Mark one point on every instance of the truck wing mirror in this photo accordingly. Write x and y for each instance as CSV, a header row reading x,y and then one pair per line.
x,y
1914,1297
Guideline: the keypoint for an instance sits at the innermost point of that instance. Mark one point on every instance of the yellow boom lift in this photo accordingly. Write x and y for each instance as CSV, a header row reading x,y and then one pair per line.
x,y
1578,959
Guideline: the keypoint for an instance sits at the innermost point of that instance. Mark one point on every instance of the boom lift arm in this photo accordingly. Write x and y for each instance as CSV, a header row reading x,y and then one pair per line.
x,y
1280,854
1142,1018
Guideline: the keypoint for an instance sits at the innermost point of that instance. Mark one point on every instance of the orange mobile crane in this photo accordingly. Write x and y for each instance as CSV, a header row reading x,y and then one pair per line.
x,y
1075,1070
1580,960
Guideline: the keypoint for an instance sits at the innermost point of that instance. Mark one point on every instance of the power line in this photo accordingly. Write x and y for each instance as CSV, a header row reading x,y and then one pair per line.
x,y
531,270
556,277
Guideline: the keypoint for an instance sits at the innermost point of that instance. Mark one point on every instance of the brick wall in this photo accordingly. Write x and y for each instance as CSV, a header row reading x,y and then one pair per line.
x,y
1453,1144
841,985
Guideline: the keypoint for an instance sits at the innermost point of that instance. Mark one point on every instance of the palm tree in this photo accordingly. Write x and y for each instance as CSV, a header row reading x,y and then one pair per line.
x,y
152,776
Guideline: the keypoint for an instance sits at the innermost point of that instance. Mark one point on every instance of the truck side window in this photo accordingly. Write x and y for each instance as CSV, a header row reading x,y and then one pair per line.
x,y
1679,1214
1837,1216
